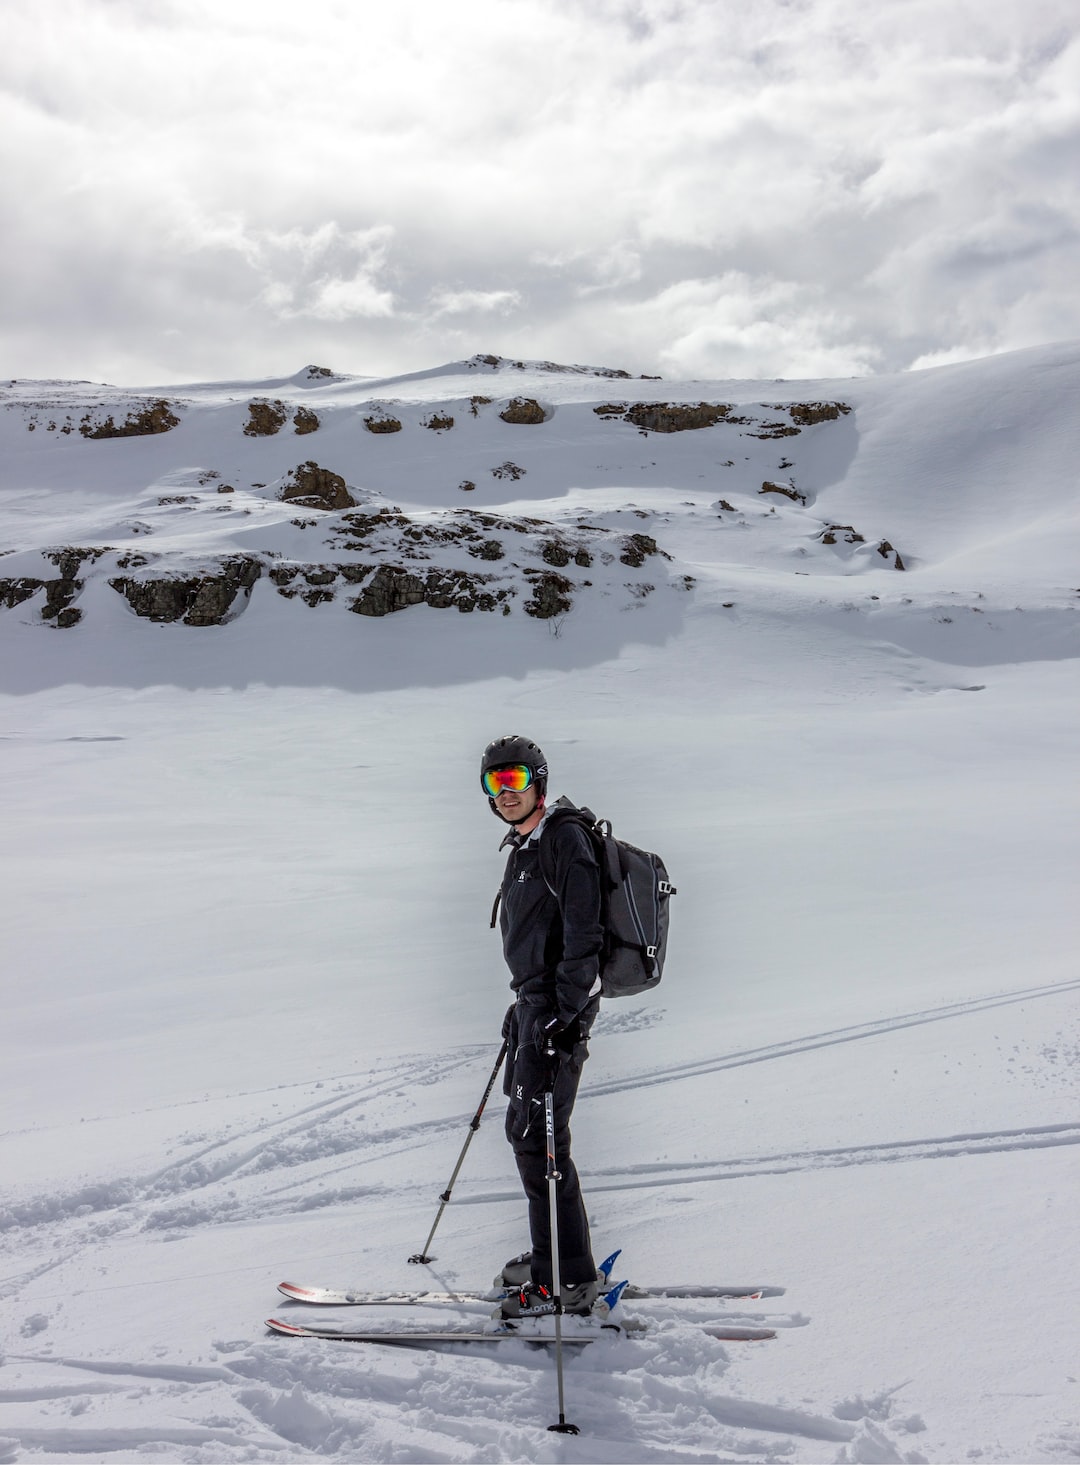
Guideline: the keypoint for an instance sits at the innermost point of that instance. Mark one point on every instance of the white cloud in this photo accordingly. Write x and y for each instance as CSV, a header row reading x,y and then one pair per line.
x,y
474,302
326,274
618,264
196,189
739,326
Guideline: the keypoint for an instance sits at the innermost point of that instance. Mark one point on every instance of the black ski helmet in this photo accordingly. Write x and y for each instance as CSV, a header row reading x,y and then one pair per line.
x,y
513,748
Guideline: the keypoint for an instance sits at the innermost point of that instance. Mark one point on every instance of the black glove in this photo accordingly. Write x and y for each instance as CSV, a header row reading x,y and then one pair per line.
x,y
562,1036
507,1020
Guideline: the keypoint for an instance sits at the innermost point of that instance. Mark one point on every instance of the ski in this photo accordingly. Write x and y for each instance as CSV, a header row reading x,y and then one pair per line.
x,y
717,1294
431,1337
413,1337
336,1297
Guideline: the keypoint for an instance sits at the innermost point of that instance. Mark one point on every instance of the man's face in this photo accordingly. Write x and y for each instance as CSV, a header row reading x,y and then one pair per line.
x,y
515,807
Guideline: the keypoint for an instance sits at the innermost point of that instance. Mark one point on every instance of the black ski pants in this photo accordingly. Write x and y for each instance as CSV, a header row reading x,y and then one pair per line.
x,y
529,1073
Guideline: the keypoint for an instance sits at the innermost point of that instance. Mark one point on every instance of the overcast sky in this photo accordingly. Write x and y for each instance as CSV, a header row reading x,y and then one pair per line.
x,y
206,189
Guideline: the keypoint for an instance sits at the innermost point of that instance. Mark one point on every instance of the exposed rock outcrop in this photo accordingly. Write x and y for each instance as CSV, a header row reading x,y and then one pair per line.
x,y
439,422
305,421
318,580
886,551
18,588
684,416
637,547
493,362
613,372
421,538
806,414
316,488
265,418
382,422
786,489
551,595
154,417
393,588
525,411
206,599
62,591
381,561
666,416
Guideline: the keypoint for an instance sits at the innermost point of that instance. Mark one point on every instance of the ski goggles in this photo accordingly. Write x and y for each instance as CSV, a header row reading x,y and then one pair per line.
x,y
516,778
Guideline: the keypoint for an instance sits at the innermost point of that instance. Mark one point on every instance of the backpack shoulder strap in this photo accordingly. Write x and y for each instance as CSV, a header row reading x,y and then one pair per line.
x,y
595,828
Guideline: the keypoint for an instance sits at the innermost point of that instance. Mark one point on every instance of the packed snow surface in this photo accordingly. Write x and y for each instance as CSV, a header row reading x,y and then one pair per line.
x,y
252,999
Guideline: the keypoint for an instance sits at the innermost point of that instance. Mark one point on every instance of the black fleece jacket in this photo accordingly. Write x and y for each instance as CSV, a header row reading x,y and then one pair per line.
x,y
552,941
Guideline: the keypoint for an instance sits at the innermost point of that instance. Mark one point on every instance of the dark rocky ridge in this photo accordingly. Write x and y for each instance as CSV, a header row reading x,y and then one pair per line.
x,y
402,559
197,600
154,417
690,416
60,592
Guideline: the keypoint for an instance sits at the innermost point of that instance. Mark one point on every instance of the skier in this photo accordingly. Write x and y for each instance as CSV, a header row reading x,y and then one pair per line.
x,y
551,942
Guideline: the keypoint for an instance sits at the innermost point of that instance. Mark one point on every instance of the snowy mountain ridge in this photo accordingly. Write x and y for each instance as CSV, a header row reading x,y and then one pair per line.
x,y
199,506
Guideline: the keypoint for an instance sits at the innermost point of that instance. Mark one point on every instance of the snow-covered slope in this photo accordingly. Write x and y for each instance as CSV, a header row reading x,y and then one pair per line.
x,y
965,475
251,997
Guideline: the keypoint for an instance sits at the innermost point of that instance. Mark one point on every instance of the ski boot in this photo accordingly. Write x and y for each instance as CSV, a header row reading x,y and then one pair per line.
x,y
516,1272
532,1299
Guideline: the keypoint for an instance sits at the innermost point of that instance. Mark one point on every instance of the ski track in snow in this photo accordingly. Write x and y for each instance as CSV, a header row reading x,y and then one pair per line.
x,y
697,1172
340,1400
827,1039
279,1143
308,1139
300,1399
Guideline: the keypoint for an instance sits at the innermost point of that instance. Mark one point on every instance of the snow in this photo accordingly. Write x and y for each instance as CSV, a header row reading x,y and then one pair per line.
x,y
252,999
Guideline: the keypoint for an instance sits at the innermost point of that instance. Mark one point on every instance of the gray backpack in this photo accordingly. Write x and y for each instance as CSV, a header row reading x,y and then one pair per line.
x,y
634,894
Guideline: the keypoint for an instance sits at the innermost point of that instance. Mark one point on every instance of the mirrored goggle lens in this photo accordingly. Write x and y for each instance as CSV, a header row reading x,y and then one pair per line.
x,y
516,778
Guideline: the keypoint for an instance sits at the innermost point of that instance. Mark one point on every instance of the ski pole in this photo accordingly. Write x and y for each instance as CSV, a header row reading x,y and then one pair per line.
x,y
553,1178
421,1258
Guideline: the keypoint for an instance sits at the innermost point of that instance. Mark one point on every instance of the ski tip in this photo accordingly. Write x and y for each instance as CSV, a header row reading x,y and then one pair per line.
x,y
290,1289
606,1265
277,1326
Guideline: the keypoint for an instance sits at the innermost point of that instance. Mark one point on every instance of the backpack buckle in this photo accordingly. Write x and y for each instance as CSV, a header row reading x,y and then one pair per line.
x,y
665,887
650,951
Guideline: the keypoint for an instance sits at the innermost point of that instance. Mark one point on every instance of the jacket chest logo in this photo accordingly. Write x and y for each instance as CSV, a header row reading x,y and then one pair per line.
x,y
525,875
